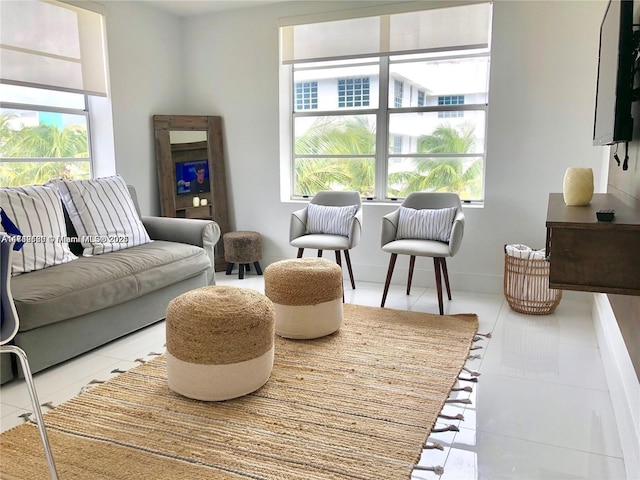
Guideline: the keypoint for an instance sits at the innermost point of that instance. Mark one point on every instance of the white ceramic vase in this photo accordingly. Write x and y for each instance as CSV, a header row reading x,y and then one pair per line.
x,y
577,187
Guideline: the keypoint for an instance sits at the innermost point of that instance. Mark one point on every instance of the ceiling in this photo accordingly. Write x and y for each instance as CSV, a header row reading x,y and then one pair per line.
x,y
190,8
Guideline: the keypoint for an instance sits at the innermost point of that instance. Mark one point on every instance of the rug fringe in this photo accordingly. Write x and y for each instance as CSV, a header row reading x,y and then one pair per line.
x,y
448,428
474,380
476,347
474,357
433,446
462,389
471,372
437,469
465,401
49,405
457,416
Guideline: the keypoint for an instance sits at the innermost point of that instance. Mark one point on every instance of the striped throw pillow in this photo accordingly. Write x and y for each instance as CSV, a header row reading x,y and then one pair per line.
x,y
330,220
37,212
103,214
426,224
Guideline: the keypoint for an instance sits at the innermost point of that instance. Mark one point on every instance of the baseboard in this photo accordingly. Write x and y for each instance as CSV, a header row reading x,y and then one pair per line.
x,y
624,387
422,277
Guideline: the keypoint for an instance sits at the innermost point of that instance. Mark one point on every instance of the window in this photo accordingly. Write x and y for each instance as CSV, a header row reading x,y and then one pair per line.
x,y
306,95
451,100
353,92
47,83
43,135
398,87
387,122
397,144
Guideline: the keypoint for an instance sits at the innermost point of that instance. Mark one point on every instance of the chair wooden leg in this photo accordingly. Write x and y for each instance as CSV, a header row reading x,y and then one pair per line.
x,y
445,274
348,259
436,264
412,263
392,263
319,253
300,250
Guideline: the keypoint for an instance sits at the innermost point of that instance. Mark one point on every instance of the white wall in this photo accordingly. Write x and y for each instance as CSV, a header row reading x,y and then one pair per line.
x,y
147,77
543,76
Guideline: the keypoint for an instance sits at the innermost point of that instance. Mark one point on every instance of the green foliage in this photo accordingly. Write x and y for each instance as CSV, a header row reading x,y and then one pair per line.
x,y
331,137
42,141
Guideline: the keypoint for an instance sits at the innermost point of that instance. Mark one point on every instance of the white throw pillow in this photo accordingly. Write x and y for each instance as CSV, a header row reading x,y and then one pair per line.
x,y
103,214
330,220
37,212
426,223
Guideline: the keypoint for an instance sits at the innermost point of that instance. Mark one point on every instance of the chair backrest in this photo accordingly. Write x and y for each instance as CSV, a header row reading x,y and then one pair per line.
x,y
420,200
8,316
333,198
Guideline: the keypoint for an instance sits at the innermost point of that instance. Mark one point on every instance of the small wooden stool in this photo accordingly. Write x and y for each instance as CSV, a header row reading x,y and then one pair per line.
x,y
242,248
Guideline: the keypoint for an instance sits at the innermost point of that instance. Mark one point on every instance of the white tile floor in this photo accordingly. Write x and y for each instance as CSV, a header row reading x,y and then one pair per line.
x,y
541,408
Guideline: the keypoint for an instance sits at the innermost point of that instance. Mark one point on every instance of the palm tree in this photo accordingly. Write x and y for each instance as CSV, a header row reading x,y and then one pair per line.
x,y
333,137
42,141
461,175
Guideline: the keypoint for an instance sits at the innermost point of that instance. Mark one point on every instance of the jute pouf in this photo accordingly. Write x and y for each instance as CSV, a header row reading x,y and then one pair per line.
x,y
307,296
219,342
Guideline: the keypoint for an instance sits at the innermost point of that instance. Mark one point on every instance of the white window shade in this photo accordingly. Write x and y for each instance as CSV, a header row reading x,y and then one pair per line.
x,y
457,27
52,45
452,28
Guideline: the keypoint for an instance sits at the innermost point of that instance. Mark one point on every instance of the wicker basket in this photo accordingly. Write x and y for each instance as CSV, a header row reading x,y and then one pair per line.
x,y
526,286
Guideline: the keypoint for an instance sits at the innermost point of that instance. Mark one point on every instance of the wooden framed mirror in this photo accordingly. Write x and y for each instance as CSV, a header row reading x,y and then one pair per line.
x,y
191,173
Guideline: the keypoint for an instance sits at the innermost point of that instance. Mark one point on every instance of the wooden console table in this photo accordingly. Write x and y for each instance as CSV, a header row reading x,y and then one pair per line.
x,y
593,256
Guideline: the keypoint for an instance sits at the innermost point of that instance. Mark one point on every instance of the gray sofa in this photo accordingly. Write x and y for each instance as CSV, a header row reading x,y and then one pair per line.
x,y
68,309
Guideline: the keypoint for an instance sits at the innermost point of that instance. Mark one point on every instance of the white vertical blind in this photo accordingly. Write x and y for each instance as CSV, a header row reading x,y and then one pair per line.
x,y
455,27
52,45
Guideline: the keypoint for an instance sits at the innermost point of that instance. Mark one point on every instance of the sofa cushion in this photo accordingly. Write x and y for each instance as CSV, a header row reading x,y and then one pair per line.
x,y
37,212
103,214
88,284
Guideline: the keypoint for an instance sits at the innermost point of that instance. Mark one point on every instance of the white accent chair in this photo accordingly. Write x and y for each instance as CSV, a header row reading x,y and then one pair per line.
x,y
423,248
8,329
300,238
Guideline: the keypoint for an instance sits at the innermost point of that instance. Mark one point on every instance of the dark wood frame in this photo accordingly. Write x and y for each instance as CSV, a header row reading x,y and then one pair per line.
x,y
174,205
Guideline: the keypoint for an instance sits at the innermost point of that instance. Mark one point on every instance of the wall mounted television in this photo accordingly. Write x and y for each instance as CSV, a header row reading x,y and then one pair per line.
x,y
186,177
613,122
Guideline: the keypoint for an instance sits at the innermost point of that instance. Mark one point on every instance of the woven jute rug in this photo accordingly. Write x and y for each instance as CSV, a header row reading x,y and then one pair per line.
x,y
358,404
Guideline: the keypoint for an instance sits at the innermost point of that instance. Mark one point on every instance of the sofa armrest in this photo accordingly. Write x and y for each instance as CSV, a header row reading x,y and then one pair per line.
x,y
202,233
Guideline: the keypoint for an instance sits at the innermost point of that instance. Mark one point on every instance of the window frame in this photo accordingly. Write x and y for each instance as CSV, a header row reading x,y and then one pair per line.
x,y
383,113
36,107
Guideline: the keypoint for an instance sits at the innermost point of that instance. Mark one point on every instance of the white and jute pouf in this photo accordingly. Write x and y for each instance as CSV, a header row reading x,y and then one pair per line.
x,y
307,296
219,342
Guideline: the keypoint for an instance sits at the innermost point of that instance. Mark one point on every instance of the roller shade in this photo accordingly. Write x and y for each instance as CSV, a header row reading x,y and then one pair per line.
x,y
457,27
52,45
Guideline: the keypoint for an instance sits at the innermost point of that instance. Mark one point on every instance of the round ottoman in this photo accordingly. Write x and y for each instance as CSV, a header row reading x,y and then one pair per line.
x,y
307,296
219,342
242,248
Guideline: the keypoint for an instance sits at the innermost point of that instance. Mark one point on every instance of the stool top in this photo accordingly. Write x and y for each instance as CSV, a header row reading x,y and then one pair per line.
x,y
303,281
219,325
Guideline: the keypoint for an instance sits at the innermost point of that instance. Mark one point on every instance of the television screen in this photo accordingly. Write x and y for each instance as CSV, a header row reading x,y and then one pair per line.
x,y
614,94
192,177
